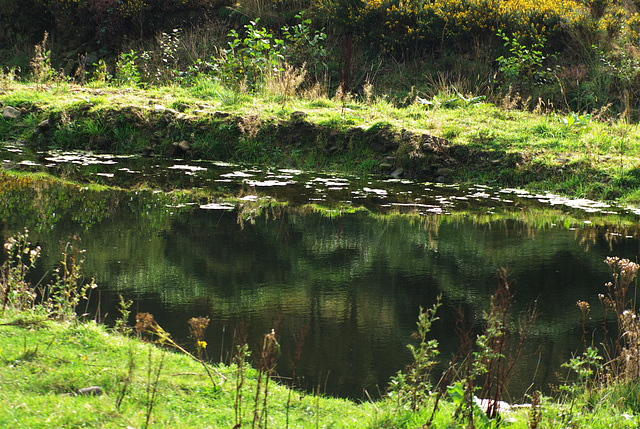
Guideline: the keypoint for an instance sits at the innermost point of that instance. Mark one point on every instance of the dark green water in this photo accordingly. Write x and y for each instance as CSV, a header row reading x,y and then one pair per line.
x,y
354,279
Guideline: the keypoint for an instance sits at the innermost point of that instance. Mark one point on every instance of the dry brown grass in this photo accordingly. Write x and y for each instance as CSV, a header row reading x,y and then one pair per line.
x,y
286,82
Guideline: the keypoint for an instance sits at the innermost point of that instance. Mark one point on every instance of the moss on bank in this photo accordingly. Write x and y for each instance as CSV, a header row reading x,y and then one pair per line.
x,y
466,143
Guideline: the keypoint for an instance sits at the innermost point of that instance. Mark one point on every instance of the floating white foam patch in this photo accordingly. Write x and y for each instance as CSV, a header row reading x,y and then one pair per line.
x,y
105,174
126,170
330,182
29,163
237,174
191,168
380,192
81,158
514,191
479,195
222,164
268,183
217,206
249,198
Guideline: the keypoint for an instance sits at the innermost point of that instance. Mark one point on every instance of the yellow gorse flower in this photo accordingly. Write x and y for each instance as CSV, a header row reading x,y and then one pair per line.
x,y
404,22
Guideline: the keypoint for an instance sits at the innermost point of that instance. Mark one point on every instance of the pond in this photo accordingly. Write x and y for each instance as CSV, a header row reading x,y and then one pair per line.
x,y
340,271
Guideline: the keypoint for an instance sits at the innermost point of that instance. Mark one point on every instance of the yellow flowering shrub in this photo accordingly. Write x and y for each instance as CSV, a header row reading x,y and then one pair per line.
x,y
399,26
632,30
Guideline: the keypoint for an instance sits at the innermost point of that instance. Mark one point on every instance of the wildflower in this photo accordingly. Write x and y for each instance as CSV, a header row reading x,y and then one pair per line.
x,y
583,306
202,344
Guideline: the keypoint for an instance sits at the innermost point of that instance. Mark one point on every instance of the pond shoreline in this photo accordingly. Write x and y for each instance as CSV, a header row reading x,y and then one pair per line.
x,y
327,136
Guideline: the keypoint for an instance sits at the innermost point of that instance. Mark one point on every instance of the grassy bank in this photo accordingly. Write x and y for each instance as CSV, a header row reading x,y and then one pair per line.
x,y
462,140
46,366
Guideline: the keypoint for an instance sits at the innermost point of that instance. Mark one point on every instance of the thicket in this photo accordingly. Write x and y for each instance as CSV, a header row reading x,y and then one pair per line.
x,y
576,56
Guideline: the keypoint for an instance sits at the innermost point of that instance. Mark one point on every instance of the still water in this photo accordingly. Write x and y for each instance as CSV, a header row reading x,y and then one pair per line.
x,y
344,284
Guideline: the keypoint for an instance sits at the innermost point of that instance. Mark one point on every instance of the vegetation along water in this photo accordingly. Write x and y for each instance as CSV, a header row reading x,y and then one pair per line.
x,y
318,213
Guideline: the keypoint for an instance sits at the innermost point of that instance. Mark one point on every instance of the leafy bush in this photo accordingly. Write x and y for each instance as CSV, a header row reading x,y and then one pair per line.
x,y
524,65
250,58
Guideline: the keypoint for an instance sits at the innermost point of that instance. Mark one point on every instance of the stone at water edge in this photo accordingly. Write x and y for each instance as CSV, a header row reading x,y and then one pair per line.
x,y
42,127
91,391
299,116
397,173
443,171
11,113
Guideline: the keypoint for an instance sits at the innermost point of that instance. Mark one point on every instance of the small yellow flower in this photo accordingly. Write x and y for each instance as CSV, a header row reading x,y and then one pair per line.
x,y
202,344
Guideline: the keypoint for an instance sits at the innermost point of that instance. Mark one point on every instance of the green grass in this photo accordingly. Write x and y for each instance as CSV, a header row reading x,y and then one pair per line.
x,y
44,363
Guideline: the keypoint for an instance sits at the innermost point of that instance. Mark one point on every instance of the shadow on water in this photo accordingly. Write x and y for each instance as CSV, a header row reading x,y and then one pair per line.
x,y
356,278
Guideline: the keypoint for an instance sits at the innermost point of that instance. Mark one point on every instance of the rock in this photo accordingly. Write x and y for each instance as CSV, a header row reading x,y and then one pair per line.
x,y
85,107
386,165
443,171
199,112
397,173
42,127
70,67
432,143
101,142
299,116
376,146
91,58
170,110
91,391
441,179
406,135
221,115
147,151
484,404
178,149
158,108
11,113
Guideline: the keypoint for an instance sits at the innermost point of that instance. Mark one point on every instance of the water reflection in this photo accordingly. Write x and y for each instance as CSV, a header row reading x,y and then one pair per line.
x,y
355,278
